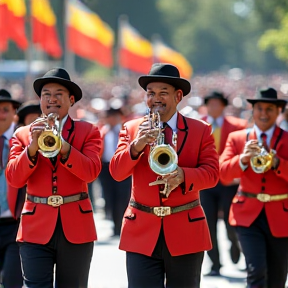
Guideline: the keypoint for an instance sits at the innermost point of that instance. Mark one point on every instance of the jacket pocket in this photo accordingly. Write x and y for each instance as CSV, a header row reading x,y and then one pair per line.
x,y
195,219
29,208
285,205
85,206
196,214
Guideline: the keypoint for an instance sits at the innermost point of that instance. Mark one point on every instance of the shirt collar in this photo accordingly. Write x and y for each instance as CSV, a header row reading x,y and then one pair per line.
x,y
269,133
9,132
218,120
172,122
63,122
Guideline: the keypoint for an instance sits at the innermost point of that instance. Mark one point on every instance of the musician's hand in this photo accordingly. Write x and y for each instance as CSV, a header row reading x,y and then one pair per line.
x,y
251,149
145,135
35,131
170,181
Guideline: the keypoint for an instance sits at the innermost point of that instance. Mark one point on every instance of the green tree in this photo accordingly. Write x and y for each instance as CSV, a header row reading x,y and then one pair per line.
x,y
213,34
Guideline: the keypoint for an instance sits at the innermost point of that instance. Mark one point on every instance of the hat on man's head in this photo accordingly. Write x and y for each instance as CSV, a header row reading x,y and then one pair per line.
x,y
114,111
167,73
216,95
5,96
268,95
29,107
61,76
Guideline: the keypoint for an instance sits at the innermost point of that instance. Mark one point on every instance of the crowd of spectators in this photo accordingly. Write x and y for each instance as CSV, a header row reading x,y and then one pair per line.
x,y
125,93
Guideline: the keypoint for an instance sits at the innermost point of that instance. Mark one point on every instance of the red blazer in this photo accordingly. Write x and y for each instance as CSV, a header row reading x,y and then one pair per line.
x,y
187,231
244,210
230,124
38,221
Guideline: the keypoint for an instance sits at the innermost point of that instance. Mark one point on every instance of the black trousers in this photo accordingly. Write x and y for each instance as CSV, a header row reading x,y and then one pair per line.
x,y
163,270
72,262
10,267
213,200
265,255
116,195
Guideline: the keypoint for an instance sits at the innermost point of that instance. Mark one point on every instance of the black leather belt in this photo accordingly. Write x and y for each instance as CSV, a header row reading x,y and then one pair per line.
x,y
57,200
263,197
162,211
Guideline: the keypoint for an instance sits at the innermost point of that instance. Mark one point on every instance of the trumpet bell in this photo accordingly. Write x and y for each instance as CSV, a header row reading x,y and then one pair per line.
x,y
49,141
49,144
163,159
263,162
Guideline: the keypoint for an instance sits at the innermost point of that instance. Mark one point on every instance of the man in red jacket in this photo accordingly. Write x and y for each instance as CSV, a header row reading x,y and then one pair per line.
x,y
164,229
57,225
260,208
219,198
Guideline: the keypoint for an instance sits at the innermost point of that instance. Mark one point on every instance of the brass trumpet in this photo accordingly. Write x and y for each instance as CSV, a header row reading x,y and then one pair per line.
x,y
163,159
263,161
49,141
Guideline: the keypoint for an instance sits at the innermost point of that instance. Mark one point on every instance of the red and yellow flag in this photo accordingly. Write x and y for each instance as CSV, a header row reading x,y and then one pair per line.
x,y
135,52
44,31
87,35
12,23
165,54
3,26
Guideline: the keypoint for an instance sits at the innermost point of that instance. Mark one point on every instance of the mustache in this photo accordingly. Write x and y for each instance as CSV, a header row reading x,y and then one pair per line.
x,y
49,106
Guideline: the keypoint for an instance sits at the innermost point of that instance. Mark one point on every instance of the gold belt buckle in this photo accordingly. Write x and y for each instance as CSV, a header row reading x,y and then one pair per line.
x,y
55,200
263,197
162,211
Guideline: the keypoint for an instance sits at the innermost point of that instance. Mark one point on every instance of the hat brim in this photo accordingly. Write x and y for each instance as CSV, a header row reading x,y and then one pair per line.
x,y
278,102
15,103
224,100
179,83
23,111
71,86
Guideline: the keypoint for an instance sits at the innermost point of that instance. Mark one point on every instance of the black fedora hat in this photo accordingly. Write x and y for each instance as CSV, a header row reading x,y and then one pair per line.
x,y
268,95
5,96
216,95
61,76
167,73
29,107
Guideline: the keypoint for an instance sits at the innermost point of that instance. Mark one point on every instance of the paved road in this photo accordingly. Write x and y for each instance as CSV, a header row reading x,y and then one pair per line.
x,y
108,263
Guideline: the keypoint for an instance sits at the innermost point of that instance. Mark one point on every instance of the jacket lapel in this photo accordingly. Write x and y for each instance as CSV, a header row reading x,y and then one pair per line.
x,y
68,130
182,132
275,136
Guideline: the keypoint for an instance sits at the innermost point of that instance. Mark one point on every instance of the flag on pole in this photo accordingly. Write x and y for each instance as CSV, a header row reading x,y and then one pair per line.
x,y
165,54
44,31
14,26
87,35
135,52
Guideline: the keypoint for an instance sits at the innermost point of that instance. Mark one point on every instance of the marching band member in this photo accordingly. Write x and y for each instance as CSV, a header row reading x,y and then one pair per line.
x,y
10,266
164,229
57,225
260,208
219,198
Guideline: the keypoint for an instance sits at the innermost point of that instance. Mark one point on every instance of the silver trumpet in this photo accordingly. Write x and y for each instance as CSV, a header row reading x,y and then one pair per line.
x,y
49,141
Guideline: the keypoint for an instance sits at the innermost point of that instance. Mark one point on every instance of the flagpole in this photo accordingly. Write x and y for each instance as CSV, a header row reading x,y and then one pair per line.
x,y
122,20
28,56
156,38
69,57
